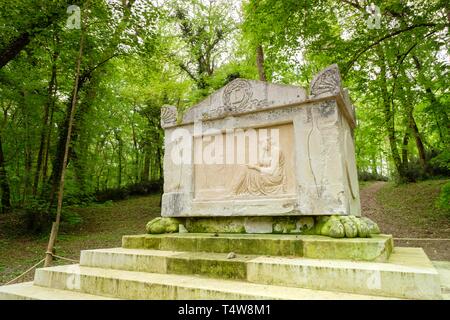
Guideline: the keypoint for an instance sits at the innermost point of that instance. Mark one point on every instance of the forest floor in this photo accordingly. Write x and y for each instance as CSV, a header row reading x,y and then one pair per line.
x,y
102,226
407,212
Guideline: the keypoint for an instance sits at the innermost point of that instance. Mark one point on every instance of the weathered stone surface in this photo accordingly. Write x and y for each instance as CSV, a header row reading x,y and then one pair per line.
x,y
157,274
408,273
330,226
314,172
375,248
168,115
326,82
163,225
344,227
211,225
373,227
243,96
334,226
414,278
140,285
28,291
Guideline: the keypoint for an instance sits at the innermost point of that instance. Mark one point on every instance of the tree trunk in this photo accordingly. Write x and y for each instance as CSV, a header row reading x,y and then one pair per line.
x,y
119,155
419,143
373,164
28,161
136,154
4,184
45,125
79,145
405,149
47,149
58,167
260,63
389,117
159,163
146,171
411,125
441,115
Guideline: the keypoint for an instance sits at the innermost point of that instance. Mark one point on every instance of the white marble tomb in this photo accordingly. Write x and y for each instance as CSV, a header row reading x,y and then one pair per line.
x,y
254,148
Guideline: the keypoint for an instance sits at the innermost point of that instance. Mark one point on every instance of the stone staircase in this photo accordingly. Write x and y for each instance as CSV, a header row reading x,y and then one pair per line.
x,y
236,266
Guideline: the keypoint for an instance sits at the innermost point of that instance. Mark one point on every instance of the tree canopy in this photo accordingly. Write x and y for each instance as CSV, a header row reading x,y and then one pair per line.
x,y
130,57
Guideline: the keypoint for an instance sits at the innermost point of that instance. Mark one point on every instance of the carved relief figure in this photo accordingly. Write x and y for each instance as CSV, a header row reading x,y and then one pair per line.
x,y
268,177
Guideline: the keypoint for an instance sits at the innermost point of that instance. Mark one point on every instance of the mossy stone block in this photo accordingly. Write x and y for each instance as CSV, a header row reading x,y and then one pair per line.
x,y
220,268
375,248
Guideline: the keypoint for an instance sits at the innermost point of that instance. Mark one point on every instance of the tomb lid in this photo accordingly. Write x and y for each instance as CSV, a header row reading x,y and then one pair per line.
x,y
242,96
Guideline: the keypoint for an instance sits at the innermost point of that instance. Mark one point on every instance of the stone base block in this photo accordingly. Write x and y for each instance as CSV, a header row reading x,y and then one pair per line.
x,y
376,248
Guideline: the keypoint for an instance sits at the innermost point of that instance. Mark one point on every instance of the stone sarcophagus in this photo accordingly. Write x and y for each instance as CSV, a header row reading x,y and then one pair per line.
x,y
261,149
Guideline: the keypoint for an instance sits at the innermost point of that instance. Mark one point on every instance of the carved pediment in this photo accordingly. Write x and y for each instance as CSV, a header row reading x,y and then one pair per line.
x,y
168,115
242,96
328,81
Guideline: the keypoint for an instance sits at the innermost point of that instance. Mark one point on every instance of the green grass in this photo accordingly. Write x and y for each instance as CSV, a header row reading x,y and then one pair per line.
x,y
414,206
102,226
410,214
414,197
365,184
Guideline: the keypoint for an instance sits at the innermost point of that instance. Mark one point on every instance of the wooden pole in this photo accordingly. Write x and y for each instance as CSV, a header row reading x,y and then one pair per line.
x,y
55,226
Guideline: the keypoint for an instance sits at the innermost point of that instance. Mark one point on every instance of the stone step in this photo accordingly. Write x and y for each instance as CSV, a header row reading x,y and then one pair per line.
x,y
443,268
376,248
409,273
143,285
28,291
213,265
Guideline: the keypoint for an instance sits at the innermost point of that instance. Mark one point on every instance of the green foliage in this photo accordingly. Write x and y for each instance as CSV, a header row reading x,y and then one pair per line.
x,y
36,217
71,218
442,160
370,176
137,189
397,73
140,55
444,197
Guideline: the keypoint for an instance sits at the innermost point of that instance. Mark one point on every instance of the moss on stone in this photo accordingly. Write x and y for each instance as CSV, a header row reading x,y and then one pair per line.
x,y
335,226
284,225
351,230
363,229
220,268
219,224
359,249
305,224
330,226
344,227
373,227
377,248
163,225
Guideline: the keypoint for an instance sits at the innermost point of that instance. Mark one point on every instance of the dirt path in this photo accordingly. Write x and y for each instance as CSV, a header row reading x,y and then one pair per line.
x,y
372,209
408,228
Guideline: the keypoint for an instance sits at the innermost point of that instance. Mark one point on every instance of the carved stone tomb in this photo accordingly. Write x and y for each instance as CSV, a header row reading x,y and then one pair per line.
x,y
254,152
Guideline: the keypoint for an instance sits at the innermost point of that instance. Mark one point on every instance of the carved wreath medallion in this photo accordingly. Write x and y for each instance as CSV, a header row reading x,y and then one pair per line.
x,y
237,94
